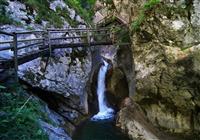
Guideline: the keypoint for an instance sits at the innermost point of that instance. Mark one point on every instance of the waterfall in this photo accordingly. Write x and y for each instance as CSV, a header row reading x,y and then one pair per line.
x,y
104,111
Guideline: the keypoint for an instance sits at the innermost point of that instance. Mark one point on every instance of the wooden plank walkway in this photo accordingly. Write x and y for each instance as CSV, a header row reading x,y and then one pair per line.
x,y
42,43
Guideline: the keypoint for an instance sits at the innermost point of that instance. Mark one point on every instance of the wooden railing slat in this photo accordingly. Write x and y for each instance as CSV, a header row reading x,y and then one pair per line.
x,y
15,56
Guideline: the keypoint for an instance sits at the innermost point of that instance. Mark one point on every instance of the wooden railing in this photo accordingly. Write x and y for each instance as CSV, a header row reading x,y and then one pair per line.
x,y
45,41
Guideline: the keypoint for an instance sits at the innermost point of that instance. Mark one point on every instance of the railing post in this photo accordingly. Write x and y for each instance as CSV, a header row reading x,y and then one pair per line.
x,y
88,37
15,56
43,41
106,35
112,35
49,42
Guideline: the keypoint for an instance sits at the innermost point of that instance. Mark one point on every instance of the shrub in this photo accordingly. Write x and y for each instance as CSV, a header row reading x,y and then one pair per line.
x,y
19,116
4,16
85,14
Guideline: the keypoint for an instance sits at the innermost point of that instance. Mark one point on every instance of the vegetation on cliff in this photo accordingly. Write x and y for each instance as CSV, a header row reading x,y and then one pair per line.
x,y
83,8
44,13
19,115
143,13
4,16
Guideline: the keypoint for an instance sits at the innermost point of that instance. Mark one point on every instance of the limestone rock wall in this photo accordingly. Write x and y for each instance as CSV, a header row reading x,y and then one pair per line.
x,y
165,53
65,73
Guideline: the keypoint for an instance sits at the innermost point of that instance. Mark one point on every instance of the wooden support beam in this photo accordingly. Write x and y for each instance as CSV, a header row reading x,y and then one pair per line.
x,y
88,37
21,40
5,64
29,45
15,56
77,45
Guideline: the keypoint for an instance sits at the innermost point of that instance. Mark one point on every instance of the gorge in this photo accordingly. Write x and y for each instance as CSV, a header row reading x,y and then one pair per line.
x,y
143,85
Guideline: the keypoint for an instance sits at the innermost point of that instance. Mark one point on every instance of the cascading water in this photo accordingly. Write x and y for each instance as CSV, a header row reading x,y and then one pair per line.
x,y
104,111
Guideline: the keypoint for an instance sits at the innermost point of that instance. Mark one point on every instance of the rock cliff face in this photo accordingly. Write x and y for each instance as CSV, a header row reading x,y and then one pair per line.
x,y
166,57
64,75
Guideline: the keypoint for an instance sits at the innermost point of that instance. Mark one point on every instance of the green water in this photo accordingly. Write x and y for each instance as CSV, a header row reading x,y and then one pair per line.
x,y
99,130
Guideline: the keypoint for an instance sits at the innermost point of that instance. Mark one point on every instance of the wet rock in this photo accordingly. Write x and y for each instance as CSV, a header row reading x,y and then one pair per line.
x,y
117,87
132,121
54,133
64,75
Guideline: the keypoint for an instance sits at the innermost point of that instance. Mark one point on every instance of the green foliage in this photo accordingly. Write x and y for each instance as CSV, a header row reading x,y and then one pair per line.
x,y
4,16
17,23
19,116
64,13
44,12
30,28
83,8
136,24
87,4
143,12
150,4
121,34
4,19
84,13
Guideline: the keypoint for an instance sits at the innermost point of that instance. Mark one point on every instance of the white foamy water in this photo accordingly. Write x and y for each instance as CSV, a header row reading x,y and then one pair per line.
x,y
104,111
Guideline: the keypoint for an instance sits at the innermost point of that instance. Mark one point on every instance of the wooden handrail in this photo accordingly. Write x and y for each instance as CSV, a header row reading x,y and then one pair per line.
x,y
29,45
5,48
70,37
21,40
5,33
6,42
78,29
29,32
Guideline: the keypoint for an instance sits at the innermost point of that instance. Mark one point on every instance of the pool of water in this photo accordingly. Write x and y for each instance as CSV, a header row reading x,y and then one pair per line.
x,y
99,130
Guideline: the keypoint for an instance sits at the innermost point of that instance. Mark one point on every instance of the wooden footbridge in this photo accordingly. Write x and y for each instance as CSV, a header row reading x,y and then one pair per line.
x,y
28,45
